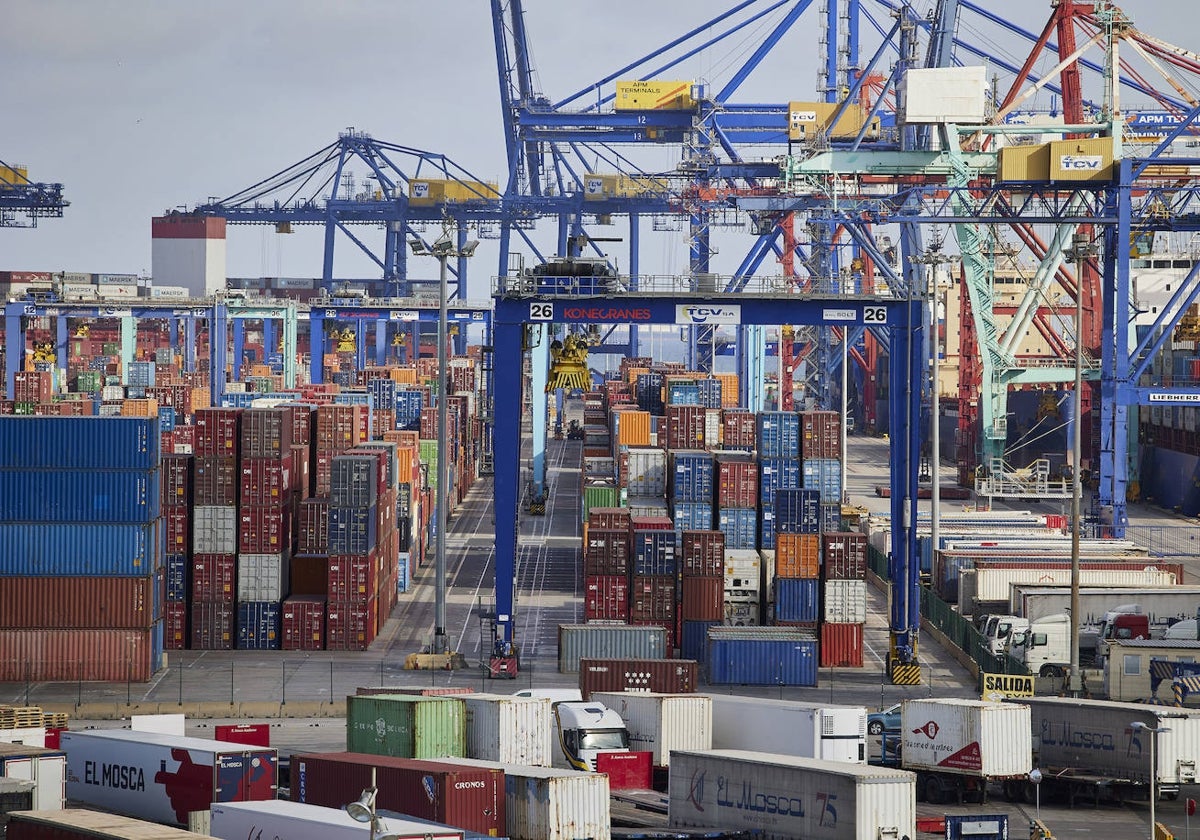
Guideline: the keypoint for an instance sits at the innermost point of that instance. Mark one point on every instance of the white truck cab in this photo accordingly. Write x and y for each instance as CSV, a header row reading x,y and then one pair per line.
x,y
582,730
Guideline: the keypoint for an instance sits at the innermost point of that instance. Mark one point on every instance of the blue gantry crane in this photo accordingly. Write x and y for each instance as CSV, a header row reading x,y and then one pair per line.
x,y
23,202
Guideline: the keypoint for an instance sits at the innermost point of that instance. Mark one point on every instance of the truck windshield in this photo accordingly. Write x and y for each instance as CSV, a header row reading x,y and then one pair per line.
x,y
604,739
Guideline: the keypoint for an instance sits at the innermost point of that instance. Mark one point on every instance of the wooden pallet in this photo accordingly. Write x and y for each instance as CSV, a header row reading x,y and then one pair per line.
x,y
21,717
56,720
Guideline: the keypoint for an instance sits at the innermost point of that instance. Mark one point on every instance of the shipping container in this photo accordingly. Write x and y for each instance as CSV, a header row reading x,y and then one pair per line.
x,y
826,731
214,578
262,577
266,432
797,600
737,481
797,512
702,598
514,730
761,656
659,723
646,472
606,551
841,645
303,625
975,738
602,641
844,556
544,803
805,797
214,626
82,824
778,434
693,639
35,549
667,676
740,527
703,553
74,655
820,434
80,495
845,601
80,443
215,529
691,477
606,597
737,430
266,481
80,602
259,625
405,727
653,552
45,768
797,555
216,481
692,516
471,798
164,777
297,821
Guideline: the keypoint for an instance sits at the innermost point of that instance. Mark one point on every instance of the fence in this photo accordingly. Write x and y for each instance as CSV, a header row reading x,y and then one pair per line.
x,y
1166,540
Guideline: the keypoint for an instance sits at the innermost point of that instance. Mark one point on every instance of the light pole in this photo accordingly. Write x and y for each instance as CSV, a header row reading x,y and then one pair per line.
x,y
1035,776
1081,251
443,249
363,810
1154,731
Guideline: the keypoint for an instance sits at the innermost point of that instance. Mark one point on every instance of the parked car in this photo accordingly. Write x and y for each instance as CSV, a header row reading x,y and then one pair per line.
x,y
887,720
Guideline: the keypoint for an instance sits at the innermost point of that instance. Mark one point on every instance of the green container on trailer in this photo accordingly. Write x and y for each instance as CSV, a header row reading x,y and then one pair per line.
x,y
405,726
600,496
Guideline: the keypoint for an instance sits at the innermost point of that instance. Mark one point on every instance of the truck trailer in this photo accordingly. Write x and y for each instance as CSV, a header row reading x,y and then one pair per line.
x,y
789,727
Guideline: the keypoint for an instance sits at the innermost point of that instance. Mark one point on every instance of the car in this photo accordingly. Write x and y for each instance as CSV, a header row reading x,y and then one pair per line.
x,y
887,720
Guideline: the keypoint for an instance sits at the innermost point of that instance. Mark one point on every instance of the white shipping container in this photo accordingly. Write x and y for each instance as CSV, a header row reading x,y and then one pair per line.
x,y
78,291
1094,737
647,472
742,614
846,601
81,277
116,280
1161,603
712,428
545,803
992,584
743,569
214,529
514,730
168,292
30,736
262,577
298,821
967,737
780,797
943,94
47,769
659,723
112,393
293,283
789,727
117,292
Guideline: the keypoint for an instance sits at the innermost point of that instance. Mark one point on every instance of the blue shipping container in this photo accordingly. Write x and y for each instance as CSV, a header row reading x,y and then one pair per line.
x,y
797,599
693,641
177,566
740,526
797,512
408,409
352,530
166,418
761,656
83,443
75,495
383,393
141,374
690,476
259,625
693,516
831,518
776,474
353,481
766,530
80,550
778,434
825,476
653,553
683,393
710,392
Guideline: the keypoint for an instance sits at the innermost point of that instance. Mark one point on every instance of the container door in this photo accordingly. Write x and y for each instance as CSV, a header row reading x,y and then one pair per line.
x,y
231,777
51,790
262,780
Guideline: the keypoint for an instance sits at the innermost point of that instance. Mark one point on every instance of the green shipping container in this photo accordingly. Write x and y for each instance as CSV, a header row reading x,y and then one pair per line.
x,y
88,382
600,496
404,726
429,455
110,348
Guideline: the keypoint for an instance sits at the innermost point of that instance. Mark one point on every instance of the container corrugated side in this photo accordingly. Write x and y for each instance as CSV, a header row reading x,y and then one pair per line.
x,y
779,797
82,824
515,730
91,655
297,821
406,727
666,676
37,549
80,443
79,602
542,803
969,737
761,656
71,495
602,641
661,723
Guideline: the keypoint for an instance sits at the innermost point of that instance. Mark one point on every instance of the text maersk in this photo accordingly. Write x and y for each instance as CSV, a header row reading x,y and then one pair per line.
x,y
119,776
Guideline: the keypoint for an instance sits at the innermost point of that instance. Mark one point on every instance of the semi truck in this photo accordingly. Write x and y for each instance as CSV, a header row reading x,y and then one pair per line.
x,y
583,730
1044,645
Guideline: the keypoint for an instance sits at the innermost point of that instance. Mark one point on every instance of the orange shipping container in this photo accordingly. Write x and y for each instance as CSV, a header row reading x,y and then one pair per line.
x,y
729,389
404,375
139,408
797,556
633,428
632,373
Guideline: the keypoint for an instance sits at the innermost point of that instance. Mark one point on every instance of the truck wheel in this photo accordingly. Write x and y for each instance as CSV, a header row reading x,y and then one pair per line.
x,y
1171,797
1012,790
1050,671
934,791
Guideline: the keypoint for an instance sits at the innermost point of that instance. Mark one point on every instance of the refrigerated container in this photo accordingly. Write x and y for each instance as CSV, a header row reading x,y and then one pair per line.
x,y
790,727
297,821
1033,601
780,797
46,769
659,723
163,778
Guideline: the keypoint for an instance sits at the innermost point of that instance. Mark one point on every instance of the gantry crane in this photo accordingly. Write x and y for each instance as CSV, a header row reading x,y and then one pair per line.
x,y
23,202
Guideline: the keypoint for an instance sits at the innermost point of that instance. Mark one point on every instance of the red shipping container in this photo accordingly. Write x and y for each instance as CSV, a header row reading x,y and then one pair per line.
x,y
90,655
609,518
216,482
738,430
703,553
265,481
252,734
214,578
185,436
33,386
470,798
176,479
303,623
737,482
264,530
79,602
652,600
312,529
606,597
303,420
302,464
685,426
607,552
650,523
841,646
353,579
175,629
213,626
844,556
820,434
266,432
217,432
339,427
668,676
703,599
177,529
350,626
310,574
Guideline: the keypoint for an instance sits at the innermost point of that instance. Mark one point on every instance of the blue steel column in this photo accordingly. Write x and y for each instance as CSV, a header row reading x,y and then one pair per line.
x,y
540,365
756,368
904,409
14,347
316,347
60,342
189,343
128,345
173,333
507,378
1114,415
218,344
360,344
269,339
239,346
635,267
381,341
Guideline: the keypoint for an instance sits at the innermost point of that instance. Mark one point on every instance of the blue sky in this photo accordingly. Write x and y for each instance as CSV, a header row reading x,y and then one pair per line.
x,y
142,106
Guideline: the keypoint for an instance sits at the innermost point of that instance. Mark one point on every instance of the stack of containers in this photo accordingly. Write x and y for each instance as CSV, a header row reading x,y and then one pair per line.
x,y
737,499
742,587
177,539
793,594
80,558
267,507
339,428
358,484
702,600
653,567
216,481
821,449
778,437
690,479
845,601
606,567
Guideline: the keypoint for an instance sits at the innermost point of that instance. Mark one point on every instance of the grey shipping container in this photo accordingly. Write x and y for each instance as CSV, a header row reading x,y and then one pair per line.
x,y
214,530
608,641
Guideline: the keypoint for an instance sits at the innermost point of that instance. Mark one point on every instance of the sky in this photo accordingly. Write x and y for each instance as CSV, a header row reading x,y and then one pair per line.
x,y
143,106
